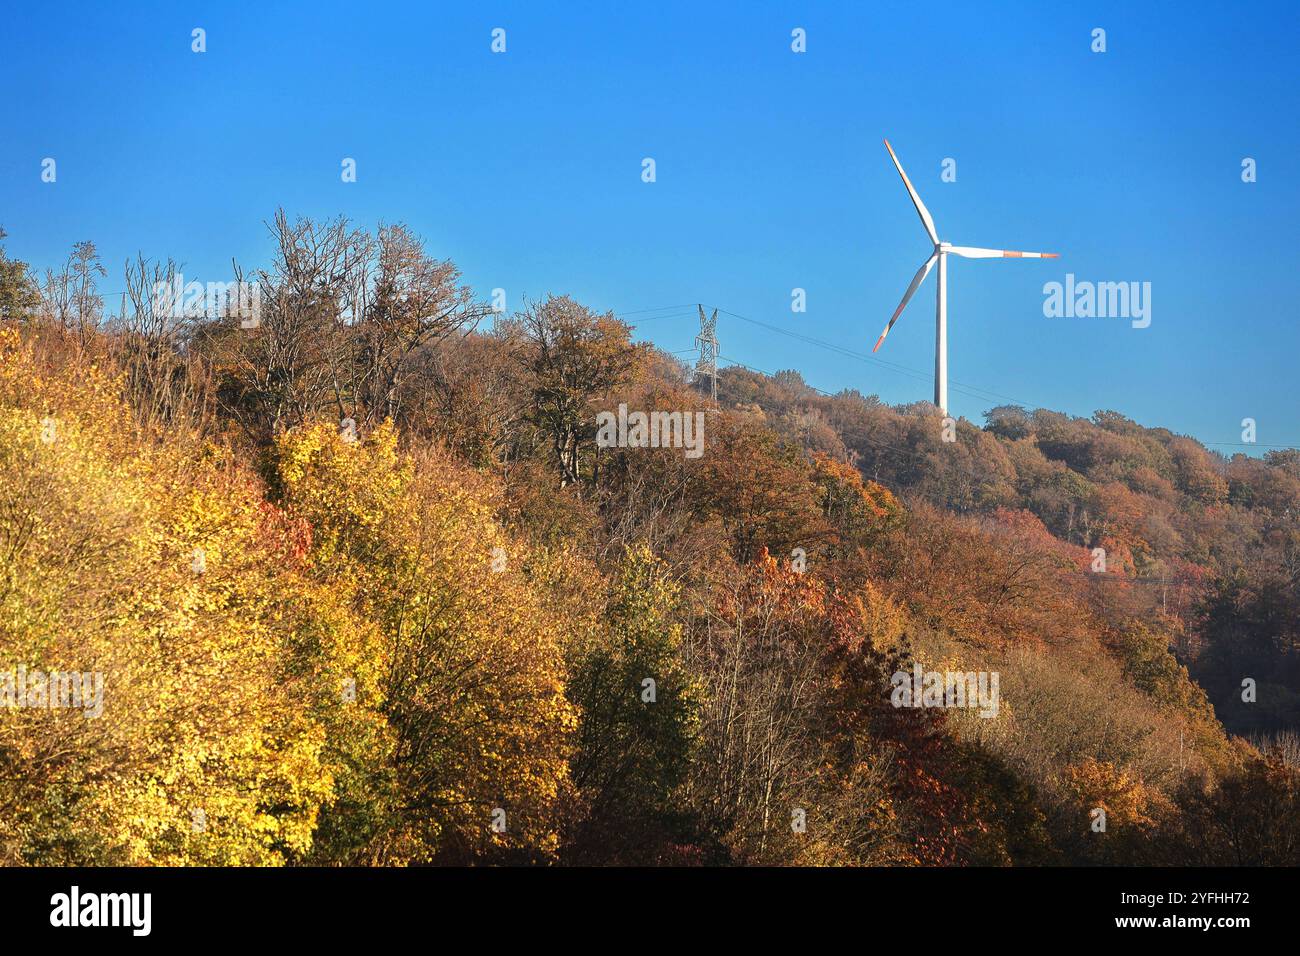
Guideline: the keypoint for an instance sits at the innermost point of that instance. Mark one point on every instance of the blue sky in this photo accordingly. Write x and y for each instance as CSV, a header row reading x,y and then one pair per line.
x,y
525,169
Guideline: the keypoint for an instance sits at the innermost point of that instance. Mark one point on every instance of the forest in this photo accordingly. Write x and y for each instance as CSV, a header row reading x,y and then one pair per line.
x,y
363,588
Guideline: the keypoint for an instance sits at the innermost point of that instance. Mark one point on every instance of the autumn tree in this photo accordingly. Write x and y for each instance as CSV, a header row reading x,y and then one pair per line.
x,y
572,358
410,302
638,707
760,489
1249,818
858,514
468,674
343,320
162,573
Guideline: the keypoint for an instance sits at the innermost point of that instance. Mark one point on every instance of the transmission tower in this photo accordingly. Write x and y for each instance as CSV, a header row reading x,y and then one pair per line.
x,y
707,343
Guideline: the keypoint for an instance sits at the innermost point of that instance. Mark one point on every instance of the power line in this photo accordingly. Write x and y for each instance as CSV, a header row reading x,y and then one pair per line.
x,y
973,391
965,388
912,453
669,312
658,308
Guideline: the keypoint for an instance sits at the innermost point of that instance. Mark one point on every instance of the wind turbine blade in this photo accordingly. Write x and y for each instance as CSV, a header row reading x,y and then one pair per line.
x,y
974,252
916,200
917,279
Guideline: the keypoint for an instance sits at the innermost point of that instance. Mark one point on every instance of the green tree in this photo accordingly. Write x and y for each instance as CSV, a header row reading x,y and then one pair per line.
x,y
18,291
639,718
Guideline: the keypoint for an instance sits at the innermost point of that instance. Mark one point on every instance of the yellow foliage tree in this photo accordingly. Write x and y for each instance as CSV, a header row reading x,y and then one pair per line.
x,y
1099,784
162,576
469,675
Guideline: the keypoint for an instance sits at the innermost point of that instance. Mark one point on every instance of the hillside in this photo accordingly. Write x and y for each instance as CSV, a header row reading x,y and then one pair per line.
x,y
383,578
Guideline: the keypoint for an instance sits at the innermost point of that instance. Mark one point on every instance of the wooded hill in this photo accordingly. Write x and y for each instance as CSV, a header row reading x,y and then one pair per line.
x,y
364,589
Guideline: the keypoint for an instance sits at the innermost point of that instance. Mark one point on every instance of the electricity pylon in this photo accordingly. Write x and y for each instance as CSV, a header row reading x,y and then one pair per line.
x,y
707,343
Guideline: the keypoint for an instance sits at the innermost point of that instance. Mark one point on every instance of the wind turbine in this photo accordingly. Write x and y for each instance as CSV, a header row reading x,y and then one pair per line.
x,y
941,252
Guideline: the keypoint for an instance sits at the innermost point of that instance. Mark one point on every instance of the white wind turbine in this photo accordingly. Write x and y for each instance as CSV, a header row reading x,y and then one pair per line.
x,y
941,252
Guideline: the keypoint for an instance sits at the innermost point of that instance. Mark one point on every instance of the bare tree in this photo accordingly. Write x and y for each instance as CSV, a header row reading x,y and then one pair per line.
x,y
343,316
410,302
759,665
70,296
165,381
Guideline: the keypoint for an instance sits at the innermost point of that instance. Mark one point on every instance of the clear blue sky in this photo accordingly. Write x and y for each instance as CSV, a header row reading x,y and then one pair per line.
x,y
525,169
